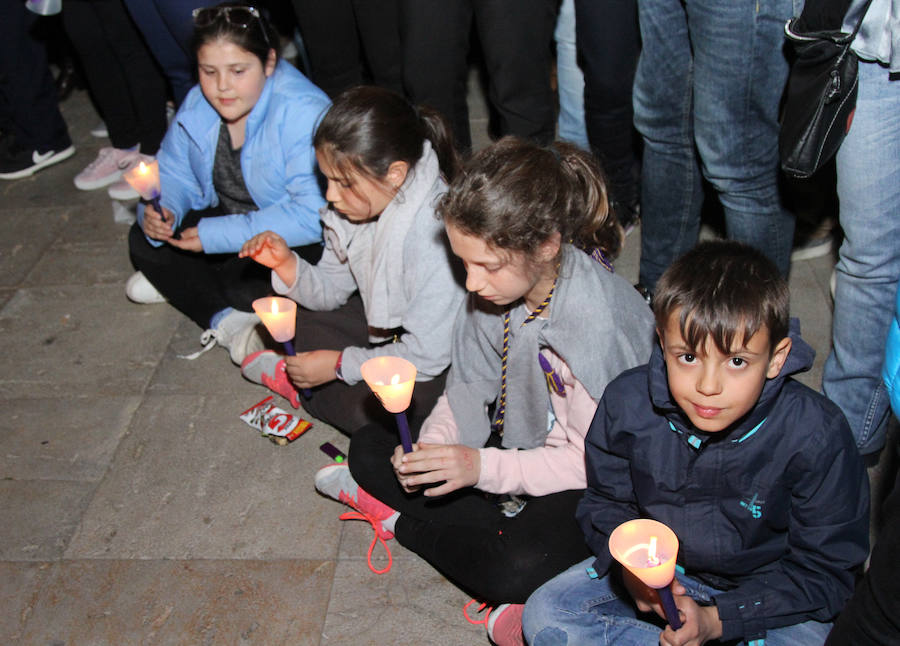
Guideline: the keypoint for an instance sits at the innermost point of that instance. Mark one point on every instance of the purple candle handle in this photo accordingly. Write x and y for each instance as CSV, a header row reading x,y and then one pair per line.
x,y
403,427
289,350
155,202
668,604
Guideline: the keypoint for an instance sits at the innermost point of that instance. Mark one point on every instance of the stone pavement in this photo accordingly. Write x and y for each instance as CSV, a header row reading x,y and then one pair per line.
x,y
136,507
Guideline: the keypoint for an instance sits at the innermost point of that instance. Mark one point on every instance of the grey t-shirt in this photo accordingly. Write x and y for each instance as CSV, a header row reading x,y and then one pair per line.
x,y
228,179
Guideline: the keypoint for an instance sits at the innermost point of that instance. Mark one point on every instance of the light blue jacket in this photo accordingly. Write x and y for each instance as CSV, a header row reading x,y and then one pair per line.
x,y
891,370
277,160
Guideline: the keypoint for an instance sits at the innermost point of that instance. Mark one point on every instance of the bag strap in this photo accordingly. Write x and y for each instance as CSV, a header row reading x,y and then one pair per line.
x,y
843,39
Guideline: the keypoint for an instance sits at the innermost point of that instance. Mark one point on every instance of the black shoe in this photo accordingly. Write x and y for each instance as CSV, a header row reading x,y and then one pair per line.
x,y
628,215
16,163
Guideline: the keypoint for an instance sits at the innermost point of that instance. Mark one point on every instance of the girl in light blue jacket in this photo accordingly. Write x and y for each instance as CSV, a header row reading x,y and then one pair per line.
x,y
237,160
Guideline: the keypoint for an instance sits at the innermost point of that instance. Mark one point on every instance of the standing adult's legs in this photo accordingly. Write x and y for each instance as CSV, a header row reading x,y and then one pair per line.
x,y
739,76
435,37
378,23
671,187
332,44
569,78
610,42
516,37
868,268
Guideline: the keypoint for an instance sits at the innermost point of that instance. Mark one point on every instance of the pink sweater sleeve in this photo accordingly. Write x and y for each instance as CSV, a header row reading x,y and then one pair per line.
x,y
559,464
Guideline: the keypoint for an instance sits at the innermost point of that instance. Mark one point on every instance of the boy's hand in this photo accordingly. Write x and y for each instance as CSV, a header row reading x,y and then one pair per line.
x,y
700,623
155,227
309,369
397,462
455,465
190,240
645,598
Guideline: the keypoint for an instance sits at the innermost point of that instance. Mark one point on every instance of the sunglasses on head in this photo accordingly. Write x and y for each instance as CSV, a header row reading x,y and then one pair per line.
x,y
238,16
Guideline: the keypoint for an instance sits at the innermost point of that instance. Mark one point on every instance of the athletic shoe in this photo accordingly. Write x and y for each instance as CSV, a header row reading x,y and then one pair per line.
x,y
336,482
17,163
106,169
813,247
99,131
267,368
140,290
504,626
234,333
122,190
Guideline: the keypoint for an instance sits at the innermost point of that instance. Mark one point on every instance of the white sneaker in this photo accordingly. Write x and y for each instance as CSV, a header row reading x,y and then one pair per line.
x,y
106,169
140,290
122,190
235,333
99,131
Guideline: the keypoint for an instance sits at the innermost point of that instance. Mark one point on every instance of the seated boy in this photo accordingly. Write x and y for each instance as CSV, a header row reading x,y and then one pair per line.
x,y
757,475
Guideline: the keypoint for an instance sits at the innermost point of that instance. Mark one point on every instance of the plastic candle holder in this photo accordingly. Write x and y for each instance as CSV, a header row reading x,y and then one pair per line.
x,y
279,315
392,380
648,549
144,178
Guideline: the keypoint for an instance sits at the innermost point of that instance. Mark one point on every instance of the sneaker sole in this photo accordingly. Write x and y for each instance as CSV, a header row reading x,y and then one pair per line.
x,y
93,185
123,195
815,251
62,155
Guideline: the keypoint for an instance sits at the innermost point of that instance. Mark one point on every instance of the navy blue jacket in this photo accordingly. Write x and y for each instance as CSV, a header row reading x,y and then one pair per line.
x,y
774,511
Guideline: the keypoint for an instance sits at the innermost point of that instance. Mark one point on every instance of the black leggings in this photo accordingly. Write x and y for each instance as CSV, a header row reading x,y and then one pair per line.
x,y
494,558
200,284
348,408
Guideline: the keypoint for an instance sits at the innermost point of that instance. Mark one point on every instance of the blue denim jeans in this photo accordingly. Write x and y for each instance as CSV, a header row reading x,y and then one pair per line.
x,y
573,609
569,79
709,81
868,184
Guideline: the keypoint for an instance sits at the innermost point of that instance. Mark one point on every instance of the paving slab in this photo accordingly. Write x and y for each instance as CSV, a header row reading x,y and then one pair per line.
x,y
40,517
191,480
62,438
85,340
412,604
28,234
20,589
111,603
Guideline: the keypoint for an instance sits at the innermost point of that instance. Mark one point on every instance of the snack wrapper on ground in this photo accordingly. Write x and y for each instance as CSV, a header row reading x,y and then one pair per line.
x,y
275,423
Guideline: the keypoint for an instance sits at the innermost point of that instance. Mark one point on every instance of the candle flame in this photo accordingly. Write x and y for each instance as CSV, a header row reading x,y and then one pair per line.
x,y
395,380
652,559
142,168
274,306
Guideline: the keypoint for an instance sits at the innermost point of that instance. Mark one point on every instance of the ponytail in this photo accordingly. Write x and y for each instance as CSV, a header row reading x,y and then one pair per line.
x,y
515,194
368,128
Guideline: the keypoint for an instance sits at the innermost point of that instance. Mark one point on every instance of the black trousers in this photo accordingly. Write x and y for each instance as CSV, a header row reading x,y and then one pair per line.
x,y
346,407
464,535
29,109
199,284
515,37
122,76
352,42
609,43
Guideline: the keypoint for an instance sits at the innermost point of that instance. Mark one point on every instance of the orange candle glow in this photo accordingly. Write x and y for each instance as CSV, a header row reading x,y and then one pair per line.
x,y
648,549
144,178
392,380
279,315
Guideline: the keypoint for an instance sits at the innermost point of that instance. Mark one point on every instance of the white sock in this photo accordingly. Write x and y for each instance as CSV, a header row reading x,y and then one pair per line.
x,y
389,522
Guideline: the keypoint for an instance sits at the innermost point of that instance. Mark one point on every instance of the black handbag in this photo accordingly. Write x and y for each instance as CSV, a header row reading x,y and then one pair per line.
x,y
821,93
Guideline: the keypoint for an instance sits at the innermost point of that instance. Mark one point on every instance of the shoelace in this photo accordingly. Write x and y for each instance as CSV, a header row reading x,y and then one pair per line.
x,y
359,514
208,340
487,615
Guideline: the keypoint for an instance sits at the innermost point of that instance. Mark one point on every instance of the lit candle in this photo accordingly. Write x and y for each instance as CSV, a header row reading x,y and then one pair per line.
x,y
648,549
144,178
279,315
392,380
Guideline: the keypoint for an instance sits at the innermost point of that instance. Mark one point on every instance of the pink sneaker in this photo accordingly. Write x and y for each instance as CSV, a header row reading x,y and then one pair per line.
x,y
106,169
503,623
266,367
335,481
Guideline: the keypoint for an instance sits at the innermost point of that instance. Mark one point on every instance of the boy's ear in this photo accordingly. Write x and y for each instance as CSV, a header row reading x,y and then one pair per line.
x,y
271,61
779,356
660,340
396,174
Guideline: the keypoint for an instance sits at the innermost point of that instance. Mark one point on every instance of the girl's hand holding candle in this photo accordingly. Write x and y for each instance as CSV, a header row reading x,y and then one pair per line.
x,y
455,465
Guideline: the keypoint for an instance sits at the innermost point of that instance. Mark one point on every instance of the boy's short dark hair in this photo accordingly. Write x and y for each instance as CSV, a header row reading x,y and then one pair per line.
x,y
725,290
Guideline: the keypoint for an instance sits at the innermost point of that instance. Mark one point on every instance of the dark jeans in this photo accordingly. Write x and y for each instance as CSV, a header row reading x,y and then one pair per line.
x,y
167,27
609,42
345,407
515,37
29,110
122,75
464,534
198,284
351,42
